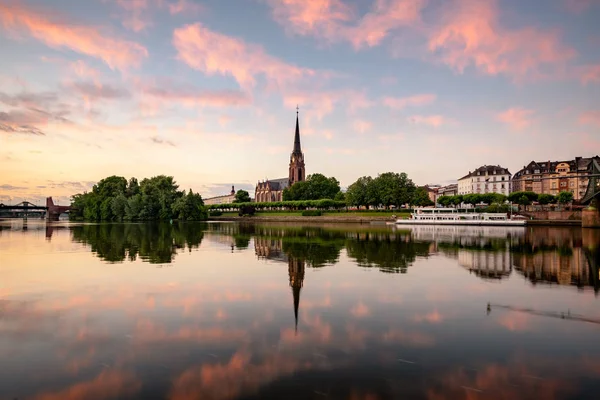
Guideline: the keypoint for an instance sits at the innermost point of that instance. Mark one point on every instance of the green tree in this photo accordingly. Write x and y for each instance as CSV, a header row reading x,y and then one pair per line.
x,y
134,207
523,200
457,200
110,187
322,187
242,196
340,196
394,189
133,188
564,197
316,187
545,198
516,196
190,207
298,191
357,193
421,198
445,201
119,207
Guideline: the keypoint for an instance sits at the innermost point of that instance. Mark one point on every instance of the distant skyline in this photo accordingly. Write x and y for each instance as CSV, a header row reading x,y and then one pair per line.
x,y
206,90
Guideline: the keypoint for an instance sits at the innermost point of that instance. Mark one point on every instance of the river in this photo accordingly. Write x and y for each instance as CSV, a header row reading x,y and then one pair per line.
x,y
284,311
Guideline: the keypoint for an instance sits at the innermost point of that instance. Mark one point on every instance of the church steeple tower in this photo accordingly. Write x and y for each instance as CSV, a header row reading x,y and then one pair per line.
x,y
296,272
297,168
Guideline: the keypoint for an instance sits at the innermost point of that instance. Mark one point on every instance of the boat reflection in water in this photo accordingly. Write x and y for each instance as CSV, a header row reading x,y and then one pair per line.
x,y
254,311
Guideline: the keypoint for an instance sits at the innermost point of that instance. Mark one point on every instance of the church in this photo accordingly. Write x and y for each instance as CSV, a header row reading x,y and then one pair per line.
x,y
272,189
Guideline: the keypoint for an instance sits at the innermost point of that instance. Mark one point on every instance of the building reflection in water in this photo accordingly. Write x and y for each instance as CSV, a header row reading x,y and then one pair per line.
x,y
543,255
559,256
272,249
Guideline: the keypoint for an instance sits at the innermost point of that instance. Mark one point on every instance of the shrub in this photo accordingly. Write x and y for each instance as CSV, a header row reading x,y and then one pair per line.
x,y
215,213
246,210
311,213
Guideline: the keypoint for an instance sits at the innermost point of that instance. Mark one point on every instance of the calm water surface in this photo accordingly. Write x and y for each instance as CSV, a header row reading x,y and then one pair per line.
x,y
276,311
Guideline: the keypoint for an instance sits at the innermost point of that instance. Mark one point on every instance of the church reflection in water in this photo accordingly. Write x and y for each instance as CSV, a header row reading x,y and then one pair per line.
x,y
272,249
542,255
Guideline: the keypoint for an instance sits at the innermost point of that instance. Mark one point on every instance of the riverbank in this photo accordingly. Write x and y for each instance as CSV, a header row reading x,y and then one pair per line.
x,y
359,219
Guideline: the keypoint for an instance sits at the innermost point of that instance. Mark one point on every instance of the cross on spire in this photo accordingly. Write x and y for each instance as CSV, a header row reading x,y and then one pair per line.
x,y
297,109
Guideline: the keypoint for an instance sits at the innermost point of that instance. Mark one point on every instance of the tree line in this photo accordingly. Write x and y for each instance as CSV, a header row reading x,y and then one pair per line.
x,y
153,199
387,189
520,198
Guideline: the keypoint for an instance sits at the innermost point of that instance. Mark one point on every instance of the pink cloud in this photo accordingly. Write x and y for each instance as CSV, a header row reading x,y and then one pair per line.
x,y
191,97
516,117
184,7
362,126
590,118
138,13
416,100
386,16
360,310
432,120
433,317
516,322
334,21
136,18
471,35
217,54
110,383
83,70
115,52
590,74
319,103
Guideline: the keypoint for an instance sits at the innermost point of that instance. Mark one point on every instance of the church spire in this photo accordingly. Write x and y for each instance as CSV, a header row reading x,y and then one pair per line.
x,y
296,292
297,149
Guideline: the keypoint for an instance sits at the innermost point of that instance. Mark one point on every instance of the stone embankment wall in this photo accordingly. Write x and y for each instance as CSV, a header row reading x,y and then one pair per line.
x,y
591,218
294,218
564,215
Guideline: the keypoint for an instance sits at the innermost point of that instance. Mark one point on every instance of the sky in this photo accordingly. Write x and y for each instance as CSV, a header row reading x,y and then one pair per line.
x,y
206,90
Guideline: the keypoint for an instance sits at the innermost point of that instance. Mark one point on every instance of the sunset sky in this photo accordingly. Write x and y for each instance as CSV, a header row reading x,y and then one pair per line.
x,y
206,90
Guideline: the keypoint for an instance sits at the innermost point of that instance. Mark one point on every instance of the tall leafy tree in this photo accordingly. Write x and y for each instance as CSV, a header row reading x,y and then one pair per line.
x,y
316,187
242,196
357,193
564,197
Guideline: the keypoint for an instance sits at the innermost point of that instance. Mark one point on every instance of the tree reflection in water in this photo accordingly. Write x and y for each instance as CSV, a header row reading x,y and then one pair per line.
x,y
155,243
542,254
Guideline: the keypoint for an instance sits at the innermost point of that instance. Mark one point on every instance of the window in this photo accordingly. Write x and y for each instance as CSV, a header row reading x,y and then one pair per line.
x,y
503,186
502,178
537,171
563,184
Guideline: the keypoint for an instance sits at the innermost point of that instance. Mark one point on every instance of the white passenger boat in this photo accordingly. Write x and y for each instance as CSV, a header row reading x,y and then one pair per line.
x,y
452,216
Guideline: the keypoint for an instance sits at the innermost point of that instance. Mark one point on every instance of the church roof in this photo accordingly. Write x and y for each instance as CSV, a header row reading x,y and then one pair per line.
x,y
279,184
297,148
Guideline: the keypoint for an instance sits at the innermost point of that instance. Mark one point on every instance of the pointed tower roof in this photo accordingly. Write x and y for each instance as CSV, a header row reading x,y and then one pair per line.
x,y
297,148
296,292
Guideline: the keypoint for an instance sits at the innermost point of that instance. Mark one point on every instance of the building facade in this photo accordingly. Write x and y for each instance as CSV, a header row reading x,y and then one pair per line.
x,y
486,179
432,191
271,190
553,177
226,199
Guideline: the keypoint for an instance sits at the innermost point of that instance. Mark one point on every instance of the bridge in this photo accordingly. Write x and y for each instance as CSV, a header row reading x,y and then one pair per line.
x,y
50,210
593,189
